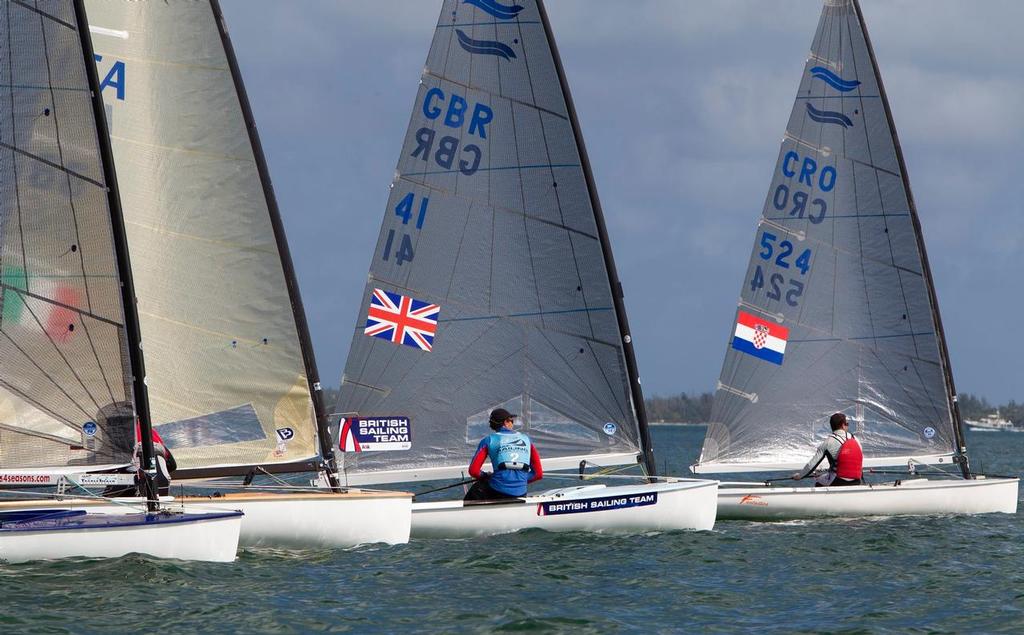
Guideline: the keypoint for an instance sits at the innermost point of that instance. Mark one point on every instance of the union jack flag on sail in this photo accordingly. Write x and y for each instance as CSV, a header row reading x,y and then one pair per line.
x,y
402,320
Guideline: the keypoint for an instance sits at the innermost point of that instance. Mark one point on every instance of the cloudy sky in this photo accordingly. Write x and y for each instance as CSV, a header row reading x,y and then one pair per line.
x,y
683,104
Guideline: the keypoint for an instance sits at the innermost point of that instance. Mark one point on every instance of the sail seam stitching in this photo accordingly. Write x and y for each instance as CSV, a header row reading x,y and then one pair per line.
x,y
52,164
44,14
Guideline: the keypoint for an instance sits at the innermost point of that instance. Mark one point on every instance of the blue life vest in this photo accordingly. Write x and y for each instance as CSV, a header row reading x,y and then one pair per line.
x,y
510,458
509,451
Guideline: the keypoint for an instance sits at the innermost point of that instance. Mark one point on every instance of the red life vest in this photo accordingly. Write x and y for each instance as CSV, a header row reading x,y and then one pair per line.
x,y
850,460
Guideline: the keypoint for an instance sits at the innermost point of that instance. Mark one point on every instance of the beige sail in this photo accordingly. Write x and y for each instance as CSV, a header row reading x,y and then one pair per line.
x,y
224,366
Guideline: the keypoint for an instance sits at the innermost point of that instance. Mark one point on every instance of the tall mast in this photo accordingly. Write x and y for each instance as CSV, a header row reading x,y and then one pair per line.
x,y
947,369
305,341
131,314
639,407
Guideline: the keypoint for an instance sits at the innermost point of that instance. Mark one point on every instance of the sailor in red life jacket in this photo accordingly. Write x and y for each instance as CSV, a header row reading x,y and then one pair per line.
x,y
165,462
844,453
513,457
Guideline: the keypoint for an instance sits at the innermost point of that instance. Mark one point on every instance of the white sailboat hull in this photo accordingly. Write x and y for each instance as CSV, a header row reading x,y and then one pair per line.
x,y
285,520
689,504
312,520
915,497
200,537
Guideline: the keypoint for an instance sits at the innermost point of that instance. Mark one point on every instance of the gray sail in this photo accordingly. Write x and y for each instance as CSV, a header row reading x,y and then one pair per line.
x,y
837,311
226,372
65,376
489,285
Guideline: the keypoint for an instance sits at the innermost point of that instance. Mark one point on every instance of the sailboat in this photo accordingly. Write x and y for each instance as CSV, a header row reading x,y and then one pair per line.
x,y
991,422
231,373
72,374
492,285
838,313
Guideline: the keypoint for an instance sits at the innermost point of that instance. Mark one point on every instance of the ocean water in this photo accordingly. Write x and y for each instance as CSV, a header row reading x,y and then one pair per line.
x,y
953,574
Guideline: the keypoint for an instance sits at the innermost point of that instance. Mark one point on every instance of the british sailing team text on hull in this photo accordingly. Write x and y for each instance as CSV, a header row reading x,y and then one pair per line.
x,y
838,314
493,286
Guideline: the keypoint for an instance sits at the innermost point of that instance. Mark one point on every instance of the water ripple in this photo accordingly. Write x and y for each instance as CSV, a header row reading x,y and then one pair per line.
x,y
951,574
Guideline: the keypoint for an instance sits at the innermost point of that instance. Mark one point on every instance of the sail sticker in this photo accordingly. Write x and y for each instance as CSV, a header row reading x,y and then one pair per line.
x,y
929,432
829,116
496,9
610,428
760,338
370,434
484,47
285,434
90,428
402,320
582,506
833,80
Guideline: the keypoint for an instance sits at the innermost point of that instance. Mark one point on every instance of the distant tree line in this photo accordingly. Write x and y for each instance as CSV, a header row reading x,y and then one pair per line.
x,y
973,407
680,408
331,398
683,408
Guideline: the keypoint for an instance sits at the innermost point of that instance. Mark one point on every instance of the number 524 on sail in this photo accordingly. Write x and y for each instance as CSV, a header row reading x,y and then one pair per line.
x,y
778,255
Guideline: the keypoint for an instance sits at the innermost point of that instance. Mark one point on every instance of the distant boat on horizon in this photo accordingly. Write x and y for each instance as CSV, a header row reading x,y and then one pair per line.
x,y
991,422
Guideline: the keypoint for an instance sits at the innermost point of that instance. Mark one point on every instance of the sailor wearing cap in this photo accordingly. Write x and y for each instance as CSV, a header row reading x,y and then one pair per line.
x,y
514,459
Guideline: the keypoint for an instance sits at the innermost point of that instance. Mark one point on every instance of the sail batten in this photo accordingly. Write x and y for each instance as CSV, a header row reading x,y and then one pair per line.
x,y
837,310
492,234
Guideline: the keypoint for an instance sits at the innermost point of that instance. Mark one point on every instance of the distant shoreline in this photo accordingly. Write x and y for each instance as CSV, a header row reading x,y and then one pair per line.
x,y
675,423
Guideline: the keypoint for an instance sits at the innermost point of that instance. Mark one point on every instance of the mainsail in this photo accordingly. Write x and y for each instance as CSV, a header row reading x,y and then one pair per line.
x,y
837,310
492,283
229,366
66,383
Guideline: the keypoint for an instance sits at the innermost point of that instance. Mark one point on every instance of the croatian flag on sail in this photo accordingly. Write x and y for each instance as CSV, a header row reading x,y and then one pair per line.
x,y
760,338
402,320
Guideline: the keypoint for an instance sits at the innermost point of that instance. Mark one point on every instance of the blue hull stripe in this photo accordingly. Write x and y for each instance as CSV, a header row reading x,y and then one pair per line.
x,y
71,520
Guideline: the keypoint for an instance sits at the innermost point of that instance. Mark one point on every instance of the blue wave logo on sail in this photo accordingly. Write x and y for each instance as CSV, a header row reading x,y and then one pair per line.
x,y
829,116
484,47
833,80
498,10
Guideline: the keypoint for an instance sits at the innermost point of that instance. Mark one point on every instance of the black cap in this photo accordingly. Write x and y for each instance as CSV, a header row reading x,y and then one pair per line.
x,y
498,417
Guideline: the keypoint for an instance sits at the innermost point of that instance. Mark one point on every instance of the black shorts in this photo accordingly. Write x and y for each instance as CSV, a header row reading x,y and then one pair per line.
x,y
839,482
482,491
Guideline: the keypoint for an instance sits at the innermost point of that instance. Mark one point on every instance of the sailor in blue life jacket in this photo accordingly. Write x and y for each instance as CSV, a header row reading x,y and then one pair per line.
x,y
514,459
844,453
